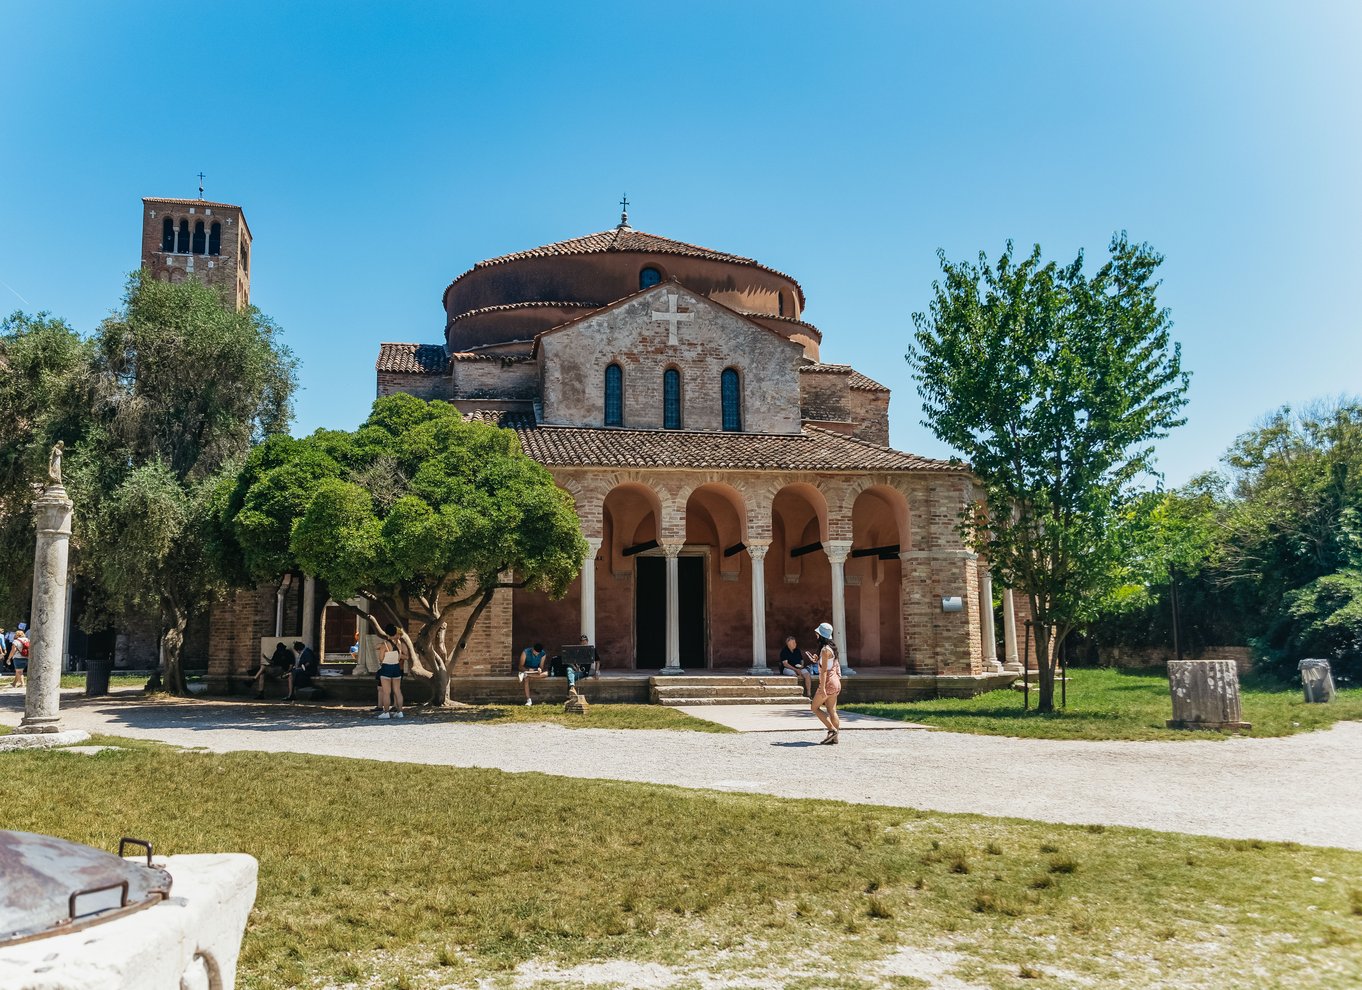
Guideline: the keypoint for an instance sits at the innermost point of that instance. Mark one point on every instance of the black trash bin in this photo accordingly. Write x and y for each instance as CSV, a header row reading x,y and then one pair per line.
x,y
97,676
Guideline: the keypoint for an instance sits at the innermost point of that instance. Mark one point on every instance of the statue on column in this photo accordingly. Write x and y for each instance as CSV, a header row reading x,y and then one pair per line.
x,y
54,463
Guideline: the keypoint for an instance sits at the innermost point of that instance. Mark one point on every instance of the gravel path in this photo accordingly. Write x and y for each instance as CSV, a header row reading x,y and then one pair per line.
x,y
1306,788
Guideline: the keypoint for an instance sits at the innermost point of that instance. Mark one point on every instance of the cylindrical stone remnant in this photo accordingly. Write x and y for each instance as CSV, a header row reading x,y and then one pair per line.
x,y
1205,695
42,703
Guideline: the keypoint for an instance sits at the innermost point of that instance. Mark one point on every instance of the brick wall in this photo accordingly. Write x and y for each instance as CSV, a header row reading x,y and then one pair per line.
x,y
224,270
1159,656
421,386
826,395
870,411
495,379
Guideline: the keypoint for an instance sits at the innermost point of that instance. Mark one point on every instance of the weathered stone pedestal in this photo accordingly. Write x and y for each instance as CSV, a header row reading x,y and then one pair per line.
x,y
576,704
42,702
1205,695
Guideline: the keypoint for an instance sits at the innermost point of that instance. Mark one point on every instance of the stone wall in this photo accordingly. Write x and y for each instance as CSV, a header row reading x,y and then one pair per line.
x,y
711,340
825,395
494,378
420,385
1155,656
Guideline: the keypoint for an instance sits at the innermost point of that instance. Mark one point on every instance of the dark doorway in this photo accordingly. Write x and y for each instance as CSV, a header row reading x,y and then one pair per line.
x,y
650,611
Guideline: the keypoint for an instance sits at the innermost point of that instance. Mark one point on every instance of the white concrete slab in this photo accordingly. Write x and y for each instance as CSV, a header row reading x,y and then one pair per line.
x,y
785,718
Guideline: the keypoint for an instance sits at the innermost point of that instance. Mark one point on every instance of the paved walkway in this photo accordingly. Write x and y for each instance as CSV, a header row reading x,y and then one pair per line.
x,y
1306,788
795,717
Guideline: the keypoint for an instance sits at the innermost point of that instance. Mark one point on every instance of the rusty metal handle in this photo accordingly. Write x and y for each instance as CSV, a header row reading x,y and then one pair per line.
x,y
125,841
120,885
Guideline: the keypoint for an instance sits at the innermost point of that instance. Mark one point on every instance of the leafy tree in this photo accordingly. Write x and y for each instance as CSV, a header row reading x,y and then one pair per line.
x,y
46,395
1053,385
419,513
170,392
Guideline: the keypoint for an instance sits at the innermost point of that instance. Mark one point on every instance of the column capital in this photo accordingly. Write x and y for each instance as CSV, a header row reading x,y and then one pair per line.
x,y
837,550
672,550
594,544
757,550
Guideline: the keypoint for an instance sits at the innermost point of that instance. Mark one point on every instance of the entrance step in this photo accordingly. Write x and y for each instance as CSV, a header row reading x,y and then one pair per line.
x,y
681,689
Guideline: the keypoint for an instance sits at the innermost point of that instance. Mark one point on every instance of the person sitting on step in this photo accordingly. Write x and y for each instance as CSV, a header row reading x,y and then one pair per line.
x,y
533,663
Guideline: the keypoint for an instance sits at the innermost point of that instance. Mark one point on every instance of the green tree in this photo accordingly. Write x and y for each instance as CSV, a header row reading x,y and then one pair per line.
x,y
185,385
1054,386
422,515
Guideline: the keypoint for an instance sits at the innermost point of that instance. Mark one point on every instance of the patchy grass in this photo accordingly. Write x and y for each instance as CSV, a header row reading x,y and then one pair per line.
x,y
115,680
597,717
382,875
1118,704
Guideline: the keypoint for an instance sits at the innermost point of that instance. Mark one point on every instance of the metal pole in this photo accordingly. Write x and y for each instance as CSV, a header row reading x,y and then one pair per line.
x,y
1063,677
1177,618
1026,671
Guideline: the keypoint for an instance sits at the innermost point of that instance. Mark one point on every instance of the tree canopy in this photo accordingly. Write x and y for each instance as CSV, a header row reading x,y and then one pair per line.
x,y
419,513
1053,385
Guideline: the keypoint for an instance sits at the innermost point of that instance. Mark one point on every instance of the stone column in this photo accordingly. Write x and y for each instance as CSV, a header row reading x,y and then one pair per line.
x,y
672,551
588,577
42,700
991,664
279,605
838,551
757,551
309,637
1011,659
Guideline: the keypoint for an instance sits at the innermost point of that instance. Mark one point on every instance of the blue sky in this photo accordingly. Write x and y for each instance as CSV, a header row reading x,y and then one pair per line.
x,y
381,149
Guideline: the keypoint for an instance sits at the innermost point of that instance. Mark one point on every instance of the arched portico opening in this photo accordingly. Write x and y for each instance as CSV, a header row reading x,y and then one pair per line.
x,y
715,529
874,574
798,571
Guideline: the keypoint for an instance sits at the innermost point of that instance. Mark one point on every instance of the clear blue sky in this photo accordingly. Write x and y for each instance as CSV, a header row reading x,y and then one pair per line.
x,y
381,149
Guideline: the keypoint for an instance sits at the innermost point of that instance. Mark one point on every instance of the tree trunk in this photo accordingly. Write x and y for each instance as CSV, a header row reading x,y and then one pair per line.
x,y
439,691
172,649
1045,668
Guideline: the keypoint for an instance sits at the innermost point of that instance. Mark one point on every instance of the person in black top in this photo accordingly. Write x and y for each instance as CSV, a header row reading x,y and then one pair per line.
x,y
792,661
305,667
275,665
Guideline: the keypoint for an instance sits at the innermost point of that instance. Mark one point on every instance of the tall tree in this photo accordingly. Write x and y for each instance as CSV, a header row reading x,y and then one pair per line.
x,y
422,515
1053,385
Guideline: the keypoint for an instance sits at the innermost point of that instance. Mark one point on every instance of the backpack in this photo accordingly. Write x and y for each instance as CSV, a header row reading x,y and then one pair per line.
x,y
23,647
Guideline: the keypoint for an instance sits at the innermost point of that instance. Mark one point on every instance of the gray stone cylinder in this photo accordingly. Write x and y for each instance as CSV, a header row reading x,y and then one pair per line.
x,y
42,702
1205,695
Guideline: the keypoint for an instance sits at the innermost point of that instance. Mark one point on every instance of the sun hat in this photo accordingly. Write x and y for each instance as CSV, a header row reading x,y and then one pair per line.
x,y
824,630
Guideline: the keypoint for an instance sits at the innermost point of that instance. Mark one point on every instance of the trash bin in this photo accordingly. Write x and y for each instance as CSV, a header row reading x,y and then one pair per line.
x,y
97,676
1317,680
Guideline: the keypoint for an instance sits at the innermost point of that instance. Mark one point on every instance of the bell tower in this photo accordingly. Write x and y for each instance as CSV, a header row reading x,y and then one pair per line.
x,y
193,238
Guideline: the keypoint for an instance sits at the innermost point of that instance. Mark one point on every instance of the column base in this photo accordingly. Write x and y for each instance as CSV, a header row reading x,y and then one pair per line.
x,y
992,667
37,726
672,670
760,672
1013,668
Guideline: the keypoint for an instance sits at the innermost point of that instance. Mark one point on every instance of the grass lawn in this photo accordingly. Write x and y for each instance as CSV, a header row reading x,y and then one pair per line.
x,y
1118,704
115,680
392,875
598,717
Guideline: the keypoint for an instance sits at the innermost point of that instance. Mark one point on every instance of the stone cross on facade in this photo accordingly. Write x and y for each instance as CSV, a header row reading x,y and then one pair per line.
x,y
672,317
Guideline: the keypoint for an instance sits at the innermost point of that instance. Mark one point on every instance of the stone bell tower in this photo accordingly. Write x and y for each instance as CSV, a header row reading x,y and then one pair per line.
x,y
193,238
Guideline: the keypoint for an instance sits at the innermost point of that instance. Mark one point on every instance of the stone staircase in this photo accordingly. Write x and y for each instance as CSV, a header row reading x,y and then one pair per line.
x,y
674,690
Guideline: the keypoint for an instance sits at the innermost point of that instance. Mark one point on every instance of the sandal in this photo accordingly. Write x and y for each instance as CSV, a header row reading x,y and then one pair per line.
x,y
832,738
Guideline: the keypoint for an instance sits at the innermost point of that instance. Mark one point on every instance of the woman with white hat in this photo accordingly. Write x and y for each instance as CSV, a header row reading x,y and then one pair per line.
x,y
829,685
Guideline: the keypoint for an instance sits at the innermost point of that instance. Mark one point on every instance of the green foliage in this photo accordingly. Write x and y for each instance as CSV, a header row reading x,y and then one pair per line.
x,y
1054,386
1322,619
417,511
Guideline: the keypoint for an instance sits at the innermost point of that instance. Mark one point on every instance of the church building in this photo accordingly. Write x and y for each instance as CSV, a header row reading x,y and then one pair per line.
x,y
733,487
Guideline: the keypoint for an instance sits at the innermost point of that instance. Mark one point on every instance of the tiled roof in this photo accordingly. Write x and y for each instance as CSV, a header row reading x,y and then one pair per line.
x,y
825,369
417,359
866,383
505,307
628,239
814,449
188,202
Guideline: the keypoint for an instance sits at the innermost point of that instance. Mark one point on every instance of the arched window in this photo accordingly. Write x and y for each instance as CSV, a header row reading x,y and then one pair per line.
x,y
168,236
245,252
199,238
731,388
215,239
671,399
614,396
182,242
780,303
649,277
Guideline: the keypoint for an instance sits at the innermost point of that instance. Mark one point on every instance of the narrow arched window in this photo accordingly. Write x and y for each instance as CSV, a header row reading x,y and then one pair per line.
x,y
215,239
182,241
649,277
245,254
167,236
614,396
731,388
199,238
780,303
671,399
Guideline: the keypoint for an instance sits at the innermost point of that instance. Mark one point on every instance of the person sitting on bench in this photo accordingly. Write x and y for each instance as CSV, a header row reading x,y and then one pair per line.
x,y
305,667
277,665
533,663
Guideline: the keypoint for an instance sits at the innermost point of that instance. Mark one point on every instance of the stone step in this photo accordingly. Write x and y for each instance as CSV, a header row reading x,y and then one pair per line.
x,y
725,691
681,702
722,679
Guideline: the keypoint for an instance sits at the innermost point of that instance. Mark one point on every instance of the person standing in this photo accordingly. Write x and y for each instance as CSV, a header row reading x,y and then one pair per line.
x,y
533,663
18,656
390,674
824,703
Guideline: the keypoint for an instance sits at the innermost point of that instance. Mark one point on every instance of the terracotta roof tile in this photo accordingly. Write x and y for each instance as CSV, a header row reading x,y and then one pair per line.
x,y
189,202
505,307
825,369
865,383
814,449
416,359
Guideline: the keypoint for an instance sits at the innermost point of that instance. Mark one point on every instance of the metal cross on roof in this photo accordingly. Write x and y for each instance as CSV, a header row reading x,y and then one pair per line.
x,y
624,212
672,318
201,178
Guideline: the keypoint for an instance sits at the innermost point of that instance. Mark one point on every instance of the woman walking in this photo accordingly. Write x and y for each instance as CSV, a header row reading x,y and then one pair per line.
x,y
829,685
390,674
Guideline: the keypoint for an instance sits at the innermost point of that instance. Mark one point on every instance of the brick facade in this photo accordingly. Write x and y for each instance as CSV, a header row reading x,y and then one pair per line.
x,y
207,241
